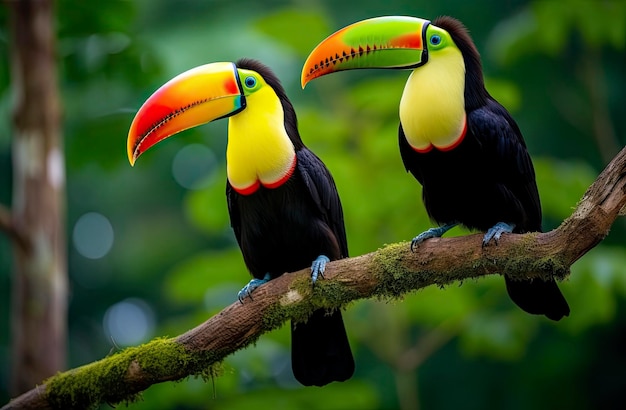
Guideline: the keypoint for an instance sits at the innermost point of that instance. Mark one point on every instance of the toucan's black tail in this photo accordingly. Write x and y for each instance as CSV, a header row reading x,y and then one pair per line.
x,y
538,297
320,352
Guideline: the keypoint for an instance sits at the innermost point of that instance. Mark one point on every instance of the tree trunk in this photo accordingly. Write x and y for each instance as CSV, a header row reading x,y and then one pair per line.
x,y
40,268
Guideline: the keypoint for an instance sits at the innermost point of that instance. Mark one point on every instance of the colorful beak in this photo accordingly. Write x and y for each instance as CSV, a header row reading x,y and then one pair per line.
x,y
195,97
381,42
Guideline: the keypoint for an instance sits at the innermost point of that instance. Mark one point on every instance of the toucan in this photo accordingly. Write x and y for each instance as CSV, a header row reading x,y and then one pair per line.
x,y
463,147
282,200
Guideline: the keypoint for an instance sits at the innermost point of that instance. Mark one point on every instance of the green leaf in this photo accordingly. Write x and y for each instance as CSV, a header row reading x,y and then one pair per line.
x,y
336,396
496,335
282,26
426,306
216,276
562,184
207,208
597,281
550,26
378,96
505,92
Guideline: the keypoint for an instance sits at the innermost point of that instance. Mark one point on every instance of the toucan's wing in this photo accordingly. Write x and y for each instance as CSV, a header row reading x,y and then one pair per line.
x,y
323,191
504,146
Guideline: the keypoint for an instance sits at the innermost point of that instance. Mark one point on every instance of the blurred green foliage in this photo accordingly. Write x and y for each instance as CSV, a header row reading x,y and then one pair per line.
x,y
557,65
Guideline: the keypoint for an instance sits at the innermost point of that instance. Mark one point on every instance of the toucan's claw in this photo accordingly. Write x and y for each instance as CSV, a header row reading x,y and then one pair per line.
x,y
247,290
496,231
318,267
430,233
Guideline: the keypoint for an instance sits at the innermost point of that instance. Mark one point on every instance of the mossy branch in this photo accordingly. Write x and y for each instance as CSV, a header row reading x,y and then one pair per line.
x,y
389,272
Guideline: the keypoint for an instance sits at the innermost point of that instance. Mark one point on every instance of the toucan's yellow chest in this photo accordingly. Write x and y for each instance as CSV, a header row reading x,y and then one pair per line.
x,y
432,108
259,151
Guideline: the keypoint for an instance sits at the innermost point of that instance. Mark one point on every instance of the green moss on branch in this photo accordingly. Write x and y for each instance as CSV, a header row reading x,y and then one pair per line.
x,y
107,380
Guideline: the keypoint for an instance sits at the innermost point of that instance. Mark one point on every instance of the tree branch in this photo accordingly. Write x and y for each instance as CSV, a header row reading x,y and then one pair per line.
x,y
7,225
389,272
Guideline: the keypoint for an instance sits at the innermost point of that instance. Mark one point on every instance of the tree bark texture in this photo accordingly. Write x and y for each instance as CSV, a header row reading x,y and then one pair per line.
x,y
39,295
390,271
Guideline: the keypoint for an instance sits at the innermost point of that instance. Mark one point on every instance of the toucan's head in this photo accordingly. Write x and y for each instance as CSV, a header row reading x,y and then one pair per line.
x,y
446,81
201,95
262,133
396,42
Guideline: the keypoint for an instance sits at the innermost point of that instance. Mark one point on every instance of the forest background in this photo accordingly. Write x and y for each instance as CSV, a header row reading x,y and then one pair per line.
x,y
151,253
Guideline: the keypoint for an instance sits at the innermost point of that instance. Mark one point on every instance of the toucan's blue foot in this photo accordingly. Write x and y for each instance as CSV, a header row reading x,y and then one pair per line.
x,y
496,231
247,290
431,233
318,267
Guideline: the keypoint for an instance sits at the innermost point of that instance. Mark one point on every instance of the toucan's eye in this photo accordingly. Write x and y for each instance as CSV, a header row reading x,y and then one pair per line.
x,y
435,40
250,81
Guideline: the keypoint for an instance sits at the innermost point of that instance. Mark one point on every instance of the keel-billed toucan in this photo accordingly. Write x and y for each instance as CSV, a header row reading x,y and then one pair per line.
x,y
282,200
457,141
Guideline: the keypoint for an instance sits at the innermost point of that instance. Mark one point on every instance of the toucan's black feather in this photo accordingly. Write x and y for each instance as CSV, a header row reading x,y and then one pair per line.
x,y
488,178
283,230
475,93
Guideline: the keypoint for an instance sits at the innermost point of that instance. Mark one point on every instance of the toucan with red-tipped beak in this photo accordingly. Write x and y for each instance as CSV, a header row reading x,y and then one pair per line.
x,y
463,147
283,204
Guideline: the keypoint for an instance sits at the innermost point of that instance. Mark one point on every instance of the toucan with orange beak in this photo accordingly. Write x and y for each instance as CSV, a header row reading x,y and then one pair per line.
x,y
462,146
283,204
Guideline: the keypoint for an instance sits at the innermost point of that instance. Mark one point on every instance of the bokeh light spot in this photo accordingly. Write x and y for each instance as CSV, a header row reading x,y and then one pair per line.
x,y
129,322
192,166
93,235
